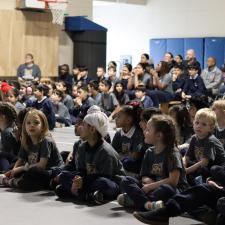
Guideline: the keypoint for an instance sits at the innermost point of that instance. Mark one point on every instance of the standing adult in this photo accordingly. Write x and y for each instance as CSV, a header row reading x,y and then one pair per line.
x,y
28,71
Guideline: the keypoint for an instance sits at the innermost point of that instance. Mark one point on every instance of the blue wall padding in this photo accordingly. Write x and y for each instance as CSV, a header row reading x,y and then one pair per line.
x,y
175,46
215,47
157,49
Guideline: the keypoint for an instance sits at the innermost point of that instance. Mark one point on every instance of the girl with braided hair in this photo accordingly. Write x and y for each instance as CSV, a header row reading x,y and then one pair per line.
x,y
9,144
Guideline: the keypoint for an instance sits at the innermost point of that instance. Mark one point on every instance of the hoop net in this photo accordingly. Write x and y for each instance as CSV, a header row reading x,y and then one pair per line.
x,y
58,10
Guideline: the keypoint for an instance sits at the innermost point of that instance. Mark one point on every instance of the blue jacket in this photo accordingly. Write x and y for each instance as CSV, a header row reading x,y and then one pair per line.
x,y
194,87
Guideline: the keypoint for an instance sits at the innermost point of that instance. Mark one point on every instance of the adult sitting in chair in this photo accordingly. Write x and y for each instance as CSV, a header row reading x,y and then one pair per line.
x,y
28,71
212,77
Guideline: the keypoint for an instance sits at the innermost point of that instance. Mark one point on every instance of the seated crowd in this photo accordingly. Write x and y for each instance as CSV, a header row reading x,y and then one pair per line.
x,y
158,165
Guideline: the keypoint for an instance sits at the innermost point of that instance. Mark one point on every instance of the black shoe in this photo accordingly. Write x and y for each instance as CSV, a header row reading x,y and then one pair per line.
x,y
154,217
61,192
99,198
95,197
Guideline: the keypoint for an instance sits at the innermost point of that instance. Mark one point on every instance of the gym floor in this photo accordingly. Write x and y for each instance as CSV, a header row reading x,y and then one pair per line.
x,y
44,208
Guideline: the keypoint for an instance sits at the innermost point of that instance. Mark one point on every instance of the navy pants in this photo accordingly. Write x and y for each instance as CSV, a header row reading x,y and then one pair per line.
x,y
132,187
193,198
159,96
131,165
109,188
34,179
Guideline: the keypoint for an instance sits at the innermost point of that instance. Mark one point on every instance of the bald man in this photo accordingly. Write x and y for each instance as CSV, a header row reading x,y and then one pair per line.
x,y
212,77
191,59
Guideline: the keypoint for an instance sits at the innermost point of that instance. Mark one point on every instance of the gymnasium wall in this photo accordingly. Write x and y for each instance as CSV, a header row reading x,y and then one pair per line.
x,y
20,30
131,26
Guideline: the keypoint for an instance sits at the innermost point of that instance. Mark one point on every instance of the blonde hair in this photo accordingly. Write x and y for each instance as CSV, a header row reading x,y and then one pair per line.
x,y
207,114
26,141
220,104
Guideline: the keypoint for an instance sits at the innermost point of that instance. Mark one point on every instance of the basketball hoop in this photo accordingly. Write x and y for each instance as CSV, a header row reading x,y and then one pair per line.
x,y
57,8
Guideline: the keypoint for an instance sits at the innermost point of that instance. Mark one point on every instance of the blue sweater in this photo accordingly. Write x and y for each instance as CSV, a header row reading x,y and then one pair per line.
x,y
46,107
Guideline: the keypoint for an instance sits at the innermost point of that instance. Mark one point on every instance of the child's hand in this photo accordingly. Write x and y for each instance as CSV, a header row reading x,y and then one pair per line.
x,y
69,158
15,171
148,187
77,184
147,180
214,184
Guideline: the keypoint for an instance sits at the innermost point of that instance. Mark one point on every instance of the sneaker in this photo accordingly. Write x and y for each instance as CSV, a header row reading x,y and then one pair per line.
x,y
125,201
62,193
154,217
2,179
99,198
157,205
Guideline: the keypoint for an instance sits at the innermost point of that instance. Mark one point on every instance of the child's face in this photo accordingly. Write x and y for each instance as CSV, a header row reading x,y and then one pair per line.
x,y
202,127
78,127
177,72
119,88
192,111
150,134
139,94
103,87
60,87
121,118
55,98
82,94
220,113
23,91
143,124
125,71
33,126
139,70
100,72
38,94
74,91
111,72
192,72
10,97
85,131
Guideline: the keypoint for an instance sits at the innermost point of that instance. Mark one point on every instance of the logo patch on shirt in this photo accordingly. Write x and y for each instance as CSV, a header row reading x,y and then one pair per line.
x,y
32,158
157,169
91,168
198,153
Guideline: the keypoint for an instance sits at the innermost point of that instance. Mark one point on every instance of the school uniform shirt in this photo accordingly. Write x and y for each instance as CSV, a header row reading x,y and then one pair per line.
x,y
9,145
158,166
194,87
209,148
123,98
179,83
82,110
19,106
46,106
62,111
146,101
68,102
132,141
109,102
101,160
145,80
97,98
167,79
220,135
44,149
